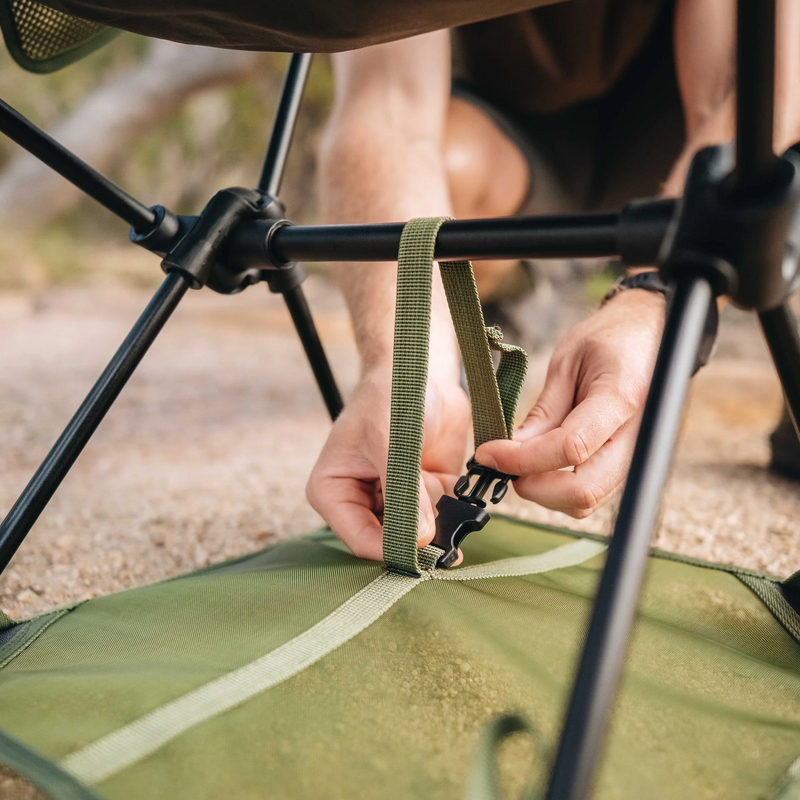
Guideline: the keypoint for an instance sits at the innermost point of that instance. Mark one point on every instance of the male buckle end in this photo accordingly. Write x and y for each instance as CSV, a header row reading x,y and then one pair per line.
x,y
455,520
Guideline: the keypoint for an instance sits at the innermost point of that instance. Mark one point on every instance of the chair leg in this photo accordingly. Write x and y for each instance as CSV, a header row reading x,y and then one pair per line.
x,y
615,605
283,128
65,451
307,331
22,131
780,331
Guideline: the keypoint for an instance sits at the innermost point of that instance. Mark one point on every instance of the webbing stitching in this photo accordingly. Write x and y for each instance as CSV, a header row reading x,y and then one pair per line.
x,y
131,743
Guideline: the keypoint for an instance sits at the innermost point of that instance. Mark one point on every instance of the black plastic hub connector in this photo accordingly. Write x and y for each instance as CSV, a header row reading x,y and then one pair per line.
x,y
198,254
466,512
746,243
200,247
640,230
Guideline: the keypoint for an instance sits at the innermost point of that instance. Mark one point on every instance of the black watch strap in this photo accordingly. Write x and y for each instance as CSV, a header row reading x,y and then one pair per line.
x,y
649,281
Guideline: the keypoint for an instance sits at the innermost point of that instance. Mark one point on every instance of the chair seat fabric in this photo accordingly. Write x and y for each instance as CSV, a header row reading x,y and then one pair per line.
x,y
296,26
303,672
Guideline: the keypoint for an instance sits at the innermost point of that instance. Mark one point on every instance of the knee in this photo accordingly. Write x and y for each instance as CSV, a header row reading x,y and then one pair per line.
x,y
486,172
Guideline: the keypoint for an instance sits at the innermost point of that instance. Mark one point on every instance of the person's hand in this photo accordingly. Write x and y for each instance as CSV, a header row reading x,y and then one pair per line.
x,y
346,485
589,411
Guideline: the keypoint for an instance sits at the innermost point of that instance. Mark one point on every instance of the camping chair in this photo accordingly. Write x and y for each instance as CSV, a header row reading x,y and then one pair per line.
x,y
735,232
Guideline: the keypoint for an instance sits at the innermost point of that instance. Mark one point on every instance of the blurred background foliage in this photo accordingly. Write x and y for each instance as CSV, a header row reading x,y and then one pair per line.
x,y
214,137
172,124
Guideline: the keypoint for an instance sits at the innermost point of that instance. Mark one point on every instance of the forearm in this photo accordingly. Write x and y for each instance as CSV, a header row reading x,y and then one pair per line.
x,y
372,174
382,161
706,75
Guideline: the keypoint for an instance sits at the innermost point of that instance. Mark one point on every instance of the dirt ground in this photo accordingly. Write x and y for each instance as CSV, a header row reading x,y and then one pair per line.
x,y
205,455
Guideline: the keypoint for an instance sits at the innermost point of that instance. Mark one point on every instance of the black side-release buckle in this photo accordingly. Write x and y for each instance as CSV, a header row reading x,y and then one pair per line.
x,y
466,512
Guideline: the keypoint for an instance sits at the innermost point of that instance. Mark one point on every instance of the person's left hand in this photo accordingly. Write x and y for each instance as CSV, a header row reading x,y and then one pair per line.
x,y
589,411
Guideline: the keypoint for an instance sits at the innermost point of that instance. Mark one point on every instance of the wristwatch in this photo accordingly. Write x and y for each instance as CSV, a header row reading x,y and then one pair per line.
x,y
651,282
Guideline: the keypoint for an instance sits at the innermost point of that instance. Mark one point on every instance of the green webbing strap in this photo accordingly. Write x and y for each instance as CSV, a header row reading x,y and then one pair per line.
x,y
409,378
494,397
139,738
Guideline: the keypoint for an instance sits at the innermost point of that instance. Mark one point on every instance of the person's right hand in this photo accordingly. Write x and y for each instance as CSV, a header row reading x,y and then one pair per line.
x,y
347,483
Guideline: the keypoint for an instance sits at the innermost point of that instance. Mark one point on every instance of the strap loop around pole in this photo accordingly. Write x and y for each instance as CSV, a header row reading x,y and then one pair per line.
x,y
493,396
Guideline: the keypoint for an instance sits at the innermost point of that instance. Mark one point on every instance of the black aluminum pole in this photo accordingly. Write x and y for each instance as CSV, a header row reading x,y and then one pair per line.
x,y
76,171
563,236
270,183
284,125
303,321
755,91
780,330
615,605
58,461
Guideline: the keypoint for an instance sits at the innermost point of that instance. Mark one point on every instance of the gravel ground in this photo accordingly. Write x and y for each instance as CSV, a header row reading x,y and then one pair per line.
x,y
205,455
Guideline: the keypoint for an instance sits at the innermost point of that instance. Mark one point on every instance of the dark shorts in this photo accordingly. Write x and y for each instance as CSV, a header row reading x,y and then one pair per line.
x,y
600,153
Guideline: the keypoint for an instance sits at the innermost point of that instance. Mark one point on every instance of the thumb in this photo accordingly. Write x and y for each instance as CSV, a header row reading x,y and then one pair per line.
x,y
554,404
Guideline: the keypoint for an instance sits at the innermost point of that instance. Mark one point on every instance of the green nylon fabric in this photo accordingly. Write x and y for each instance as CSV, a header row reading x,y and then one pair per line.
x,y
493,396
708,706
788,787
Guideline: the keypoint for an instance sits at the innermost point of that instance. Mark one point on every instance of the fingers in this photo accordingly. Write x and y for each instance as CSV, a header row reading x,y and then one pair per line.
x,y
582,433
590,485
349,507
552,407
554,403
345,487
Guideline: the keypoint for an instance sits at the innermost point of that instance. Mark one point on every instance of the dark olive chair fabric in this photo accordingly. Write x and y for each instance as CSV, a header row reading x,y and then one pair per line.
x,y
289,25
302,672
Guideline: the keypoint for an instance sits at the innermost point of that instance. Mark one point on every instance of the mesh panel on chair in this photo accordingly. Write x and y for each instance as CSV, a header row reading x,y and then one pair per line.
x,y
42,39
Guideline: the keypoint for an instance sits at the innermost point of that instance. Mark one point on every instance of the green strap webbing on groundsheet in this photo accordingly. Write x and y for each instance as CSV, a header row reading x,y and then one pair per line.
x,y
493,396
139,738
